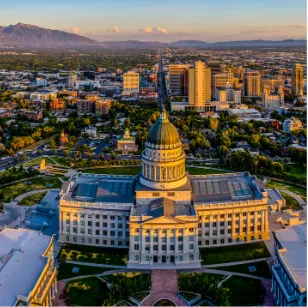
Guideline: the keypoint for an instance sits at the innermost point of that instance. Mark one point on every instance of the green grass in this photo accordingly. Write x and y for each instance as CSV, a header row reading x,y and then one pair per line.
x,y
66,270
14,190
62,160
214,255
87,292
125,170
245,291
94,254
32,199
291,202
134,170
299,170
37,161
262,269
281,185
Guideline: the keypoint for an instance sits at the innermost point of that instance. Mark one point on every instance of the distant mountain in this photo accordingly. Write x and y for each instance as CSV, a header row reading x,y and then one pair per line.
x,y
134,44
202,44
24,35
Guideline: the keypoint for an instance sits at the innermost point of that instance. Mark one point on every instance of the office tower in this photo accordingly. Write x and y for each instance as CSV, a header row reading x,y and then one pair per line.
x,y
214,66
178,79
221,80
131,82
252,83
70,82
297,80
221,94
199,79
238,72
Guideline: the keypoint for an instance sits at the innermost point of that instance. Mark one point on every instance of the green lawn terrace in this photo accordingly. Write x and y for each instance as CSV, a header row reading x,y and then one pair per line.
x,y
27,185
225,254
134,170
91,254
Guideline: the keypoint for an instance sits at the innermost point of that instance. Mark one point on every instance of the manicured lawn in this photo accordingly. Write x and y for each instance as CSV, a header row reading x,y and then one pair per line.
x,y
262,269
134,170
203,171
245,291
94,254
37,161
125,170
281,185
32,199
12,191
66,270
87,292
61,160
214,255
291,202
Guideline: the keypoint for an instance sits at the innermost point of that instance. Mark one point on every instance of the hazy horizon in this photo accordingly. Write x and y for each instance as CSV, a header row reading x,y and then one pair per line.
x,y
165,21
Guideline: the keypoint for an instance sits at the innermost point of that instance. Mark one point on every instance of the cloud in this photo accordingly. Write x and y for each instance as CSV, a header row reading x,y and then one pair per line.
x,y
114,30
297,26
155,30
72,30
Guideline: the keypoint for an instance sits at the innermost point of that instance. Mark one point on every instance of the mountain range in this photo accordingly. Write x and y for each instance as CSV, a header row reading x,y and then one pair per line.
x,y
24,35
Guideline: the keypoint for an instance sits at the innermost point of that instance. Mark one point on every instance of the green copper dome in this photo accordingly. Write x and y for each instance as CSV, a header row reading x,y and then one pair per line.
x,y
163,132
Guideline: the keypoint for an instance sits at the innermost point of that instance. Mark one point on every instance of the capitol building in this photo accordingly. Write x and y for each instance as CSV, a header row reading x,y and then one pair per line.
x,y
164,215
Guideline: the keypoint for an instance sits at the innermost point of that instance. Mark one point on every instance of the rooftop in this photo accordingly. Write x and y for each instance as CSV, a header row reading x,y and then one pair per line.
x,y
21,263
225,188
100,188
294,252
163,207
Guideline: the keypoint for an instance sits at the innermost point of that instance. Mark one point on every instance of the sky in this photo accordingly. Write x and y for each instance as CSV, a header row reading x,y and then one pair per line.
x,y
164,20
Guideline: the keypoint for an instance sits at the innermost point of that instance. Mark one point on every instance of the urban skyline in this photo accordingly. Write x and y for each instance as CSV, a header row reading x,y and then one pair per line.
x,y
209,21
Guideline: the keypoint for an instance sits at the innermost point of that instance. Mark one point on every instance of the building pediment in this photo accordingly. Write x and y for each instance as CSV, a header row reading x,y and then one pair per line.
x,y
163,220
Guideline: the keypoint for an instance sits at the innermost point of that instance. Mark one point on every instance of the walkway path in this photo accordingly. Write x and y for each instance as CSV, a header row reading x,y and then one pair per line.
x,y
22,196
296,196
164,286
268,299
233,263
211,271
98,265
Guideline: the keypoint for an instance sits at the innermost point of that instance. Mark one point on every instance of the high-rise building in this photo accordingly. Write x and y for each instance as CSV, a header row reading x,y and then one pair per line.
x,y
199,79
252,83
131,83
178,79
272,99
297,80
221,80
70,82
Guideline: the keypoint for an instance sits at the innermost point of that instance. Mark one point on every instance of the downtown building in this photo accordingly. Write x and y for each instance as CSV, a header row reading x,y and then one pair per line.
x,y
164,215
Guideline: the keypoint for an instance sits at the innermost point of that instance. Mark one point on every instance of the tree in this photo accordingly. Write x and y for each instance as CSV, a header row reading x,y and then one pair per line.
x,y
2,197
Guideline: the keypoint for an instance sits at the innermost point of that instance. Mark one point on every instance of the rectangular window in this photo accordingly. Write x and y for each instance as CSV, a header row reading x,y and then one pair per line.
x,y
229,223
229,231
136,238
206,224
136,247
164,247
97,232
222,223
105,217
180,239
214,232
89,223
97,216
171,194
222,241
207,242
155,194
252,228
259,227
112,233
155,239
222,216
245,214
147,239
191,230
191,238
89,231
244,229
237,230
112,217
155,248
120,243
214,242
252,213
191,256
214,224
230,240
229,215
191,246
105,233
237,214
172,247
97,241
180,247
222,231
111,242
97,224
120,234
104,224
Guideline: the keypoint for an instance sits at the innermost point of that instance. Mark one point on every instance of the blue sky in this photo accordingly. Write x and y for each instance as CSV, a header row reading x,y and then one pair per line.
x,y
167,20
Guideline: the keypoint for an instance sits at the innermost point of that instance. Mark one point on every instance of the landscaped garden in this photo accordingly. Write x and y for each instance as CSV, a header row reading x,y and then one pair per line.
x,y
93,291
260,269
14,190
32,199
94,254
89,291
214,255
206,285
37,162
244,291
